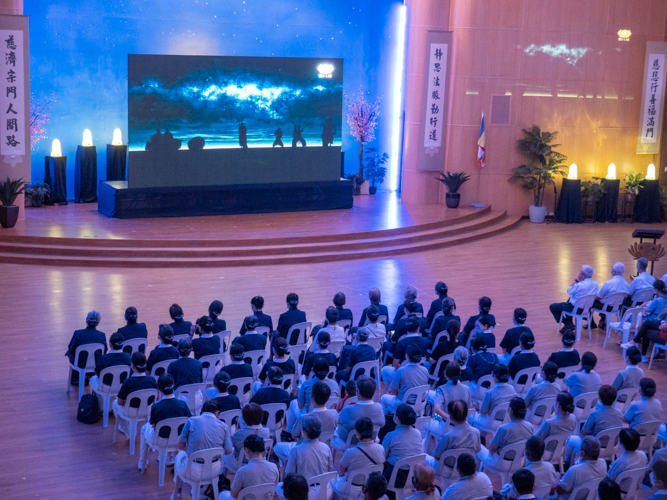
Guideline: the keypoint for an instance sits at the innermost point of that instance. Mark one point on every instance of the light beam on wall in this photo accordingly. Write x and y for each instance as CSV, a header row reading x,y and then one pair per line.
x,y
397,100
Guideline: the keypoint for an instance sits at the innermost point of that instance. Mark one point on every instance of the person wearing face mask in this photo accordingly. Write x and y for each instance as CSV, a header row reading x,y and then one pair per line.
x,y
423,484
214,311
501,393
628,457
137,381
512,338
251,340
207,344
133,330
461,436
179,326
164,350
526,358
404,442
658,477
546,388
484,307
516,430
238,367
483,330
564,422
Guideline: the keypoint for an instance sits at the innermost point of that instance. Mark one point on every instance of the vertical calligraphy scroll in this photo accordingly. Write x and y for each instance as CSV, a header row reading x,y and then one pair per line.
x,y
652,103
12,94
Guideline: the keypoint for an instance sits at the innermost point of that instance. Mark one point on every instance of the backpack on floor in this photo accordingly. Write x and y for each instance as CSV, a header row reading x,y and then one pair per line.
x,y
89,409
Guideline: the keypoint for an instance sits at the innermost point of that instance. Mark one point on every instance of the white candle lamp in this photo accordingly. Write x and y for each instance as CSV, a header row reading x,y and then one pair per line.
x,y
56,150
572,173
87,138
650,172
611,171
117,138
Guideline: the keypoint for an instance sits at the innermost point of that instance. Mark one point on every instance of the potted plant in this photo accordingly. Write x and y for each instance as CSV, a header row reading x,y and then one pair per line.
x,y
374,170
453,181
37,194
9,191
593,190
362,118
633,183
541,168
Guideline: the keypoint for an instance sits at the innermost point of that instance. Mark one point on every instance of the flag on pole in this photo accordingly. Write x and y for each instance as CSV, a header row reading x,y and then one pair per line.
x,y
481,143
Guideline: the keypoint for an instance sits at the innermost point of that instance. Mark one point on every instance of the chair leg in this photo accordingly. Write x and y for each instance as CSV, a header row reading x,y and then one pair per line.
x,y
106,397
650,363
133,435
578,320
162,464
196,487
82,383
69,380
216,493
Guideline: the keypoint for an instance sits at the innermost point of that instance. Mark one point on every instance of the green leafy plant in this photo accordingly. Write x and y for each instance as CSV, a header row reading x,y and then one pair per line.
x,y
543,162
38,192
374,169
633,182
594,188
453,180
10,189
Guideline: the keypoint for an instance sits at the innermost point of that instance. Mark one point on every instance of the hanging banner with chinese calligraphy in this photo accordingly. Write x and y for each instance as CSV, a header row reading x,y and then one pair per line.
x,y
436,101
651,116
12,96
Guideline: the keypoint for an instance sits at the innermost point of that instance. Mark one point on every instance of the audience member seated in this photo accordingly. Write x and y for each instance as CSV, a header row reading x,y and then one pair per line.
x,y
585,379
654,312
252,416
376,330
257,306
640,283
343,313
165,350
179,326
207,344
294,487
399,354
452,390
403,442
583,285
461,359
336,333
281,359
251,340
350,355
526,358
114,357
290,318
221,397
480,364
516,430
472,484
405,378
375,487
133,330
484,308
563,422
366,453
568,355
167,407
448,314
365,407
523,484
322,341
300,406
89,335
609,490
446,345
374,297
659,480
630,376
238,367
410,297
501,393
258,471
350,392
436,305
137,381
545,474
512,338
588,468
401,328
616,284
423,484
648,408
627,455
462,436
274,393
214,311
185,369
545,388
483,330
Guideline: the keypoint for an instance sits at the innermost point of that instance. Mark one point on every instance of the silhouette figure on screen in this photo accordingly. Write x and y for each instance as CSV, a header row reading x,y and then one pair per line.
x,y
328,133
163,142
196,144
279,138
243,138
298,137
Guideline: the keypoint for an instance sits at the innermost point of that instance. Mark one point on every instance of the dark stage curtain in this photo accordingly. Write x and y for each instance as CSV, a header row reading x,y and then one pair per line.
x,y
85,175
569,204
647,204
55,168
116,162
607,207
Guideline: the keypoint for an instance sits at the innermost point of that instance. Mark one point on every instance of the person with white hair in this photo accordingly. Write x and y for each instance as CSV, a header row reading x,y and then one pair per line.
x,y
583,285
616,284
642,282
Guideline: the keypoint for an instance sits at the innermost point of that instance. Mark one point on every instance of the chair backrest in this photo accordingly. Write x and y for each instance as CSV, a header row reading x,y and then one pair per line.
x,y
243,389
298,334
134,345
295,352
256,360
441,334
642,296
368,368
350,401
513,453
167,432
554,446
205,460
453,454
231,418
263,491
516,350
332,403
137,403
500,413
612,303
225,337
331,375
160,367
375,343
336,347
322,480
419,395
447,358
583,304
649,434
567,370
353,440
264,330
274,413
90,350
382,318
629,481
115,375
191,391
420,422
344,323
524,379
584,404
403,464
486,382
288,381
608,440
211,365
540,410
435,316
359,477
587,491
182,336
630,394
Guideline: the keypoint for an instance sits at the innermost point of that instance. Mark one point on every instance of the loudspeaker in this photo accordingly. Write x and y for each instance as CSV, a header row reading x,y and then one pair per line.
x,y
500,110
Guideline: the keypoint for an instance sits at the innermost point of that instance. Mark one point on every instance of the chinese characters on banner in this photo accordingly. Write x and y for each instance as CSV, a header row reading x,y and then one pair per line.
x,y
12,94
651,110
436,95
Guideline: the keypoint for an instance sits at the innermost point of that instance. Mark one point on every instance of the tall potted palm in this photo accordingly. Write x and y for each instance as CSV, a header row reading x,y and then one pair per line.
x,y
9,191
541,168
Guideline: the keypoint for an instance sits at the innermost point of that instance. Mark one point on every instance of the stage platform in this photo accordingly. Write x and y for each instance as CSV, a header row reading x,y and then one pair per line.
x,y
377,226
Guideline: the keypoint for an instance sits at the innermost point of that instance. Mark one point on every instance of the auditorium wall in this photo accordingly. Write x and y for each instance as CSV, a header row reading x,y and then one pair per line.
x,y
563,67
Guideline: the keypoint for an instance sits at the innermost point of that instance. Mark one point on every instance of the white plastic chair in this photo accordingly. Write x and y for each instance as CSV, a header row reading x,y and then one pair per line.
x,y
522,388
332,403
420,422
544,406
648,431
160,367
554,448
629,325
205,460
134,345
406,463
356,479
484,384
512,460
263,491
344,323
436,341
449,358
322,480
299,333
231,418
370,369
610,306
608,439
587,491
272,410
584,404
191,391
582,308
295,353
164,445
256,361
243,389
118,373
336,348
435,316
225,337
134,415
352,440
331,375
350,401
446,479
624,403
211,366
180,337
499,415
90,349
642,296
654,351
289,382
419,394
564,372
629,481
382,318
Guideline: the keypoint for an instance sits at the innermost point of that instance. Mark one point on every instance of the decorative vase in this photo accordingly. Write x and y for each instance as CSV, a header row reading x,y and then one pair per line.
x,y
537,214
8,215
372,189
452,200
630,197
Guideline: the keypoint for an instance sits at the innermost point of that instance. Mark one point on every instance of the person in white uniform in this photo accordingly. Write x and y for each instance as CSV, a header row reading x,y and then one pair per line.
x,y
642,282
300,406
423,483
628,456
251,425
258,471
462,436
586,379
365,407
501,393
405,378
562,424
547,388
589,468
630,376
451,391
403,442
583,285
472,484
646,409
615,285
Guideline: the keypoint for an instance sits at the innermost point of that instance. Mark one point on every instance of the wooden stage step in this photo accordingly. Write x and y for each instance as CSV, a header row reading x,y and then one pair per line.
x,y
151,253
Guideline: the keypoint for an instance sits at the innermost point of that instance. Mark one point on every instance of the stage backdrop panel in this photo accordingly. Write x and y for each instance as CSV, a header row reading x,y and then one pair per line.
x,y
220,120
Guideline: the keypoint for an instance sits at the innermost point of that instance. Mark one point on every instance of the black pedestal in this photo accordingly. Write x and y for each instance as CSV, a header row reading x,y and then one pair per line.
x,y
647,204
607,207
569,204
55,169
116,162
85,175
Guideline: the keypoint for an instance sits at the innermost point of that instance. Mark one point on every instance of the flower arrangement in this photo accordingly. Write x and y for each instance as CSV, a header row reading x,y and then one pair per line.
x,y
40,115
362,118
633,182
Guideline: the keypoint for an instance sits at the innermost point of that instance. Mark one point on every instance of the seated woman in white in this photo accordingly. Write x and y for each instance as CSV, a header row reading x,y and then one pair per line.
x,y
547,388
501,393
630,376
252,416
648,408
258,471
516,430
404,442
461,437
450,391
628,456
585,380
562,424
423,484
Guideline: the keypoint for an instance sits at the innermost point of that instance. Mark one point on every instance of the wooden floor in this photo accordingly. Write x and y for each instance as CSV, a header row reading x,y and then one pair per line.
x,y
48,454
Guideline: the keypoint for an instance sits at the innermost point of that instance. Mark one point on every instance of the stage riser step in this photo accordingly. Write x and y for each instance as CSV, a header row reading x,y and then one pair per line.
x,y
183,253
